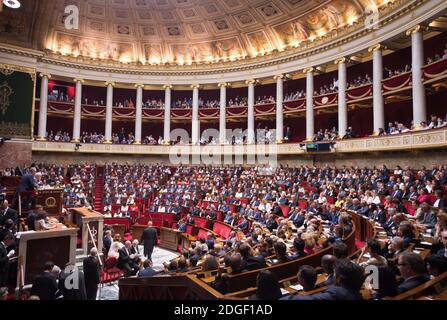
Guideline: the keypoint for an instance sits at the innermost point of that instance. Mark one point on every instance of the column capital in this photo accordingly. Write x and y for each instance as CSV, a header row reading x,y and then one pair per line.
x,y
78,80
415,29
251,81
376,47
109,83
195,86
309,70
224,84
167,86
341,60
45,75
139,85
279,77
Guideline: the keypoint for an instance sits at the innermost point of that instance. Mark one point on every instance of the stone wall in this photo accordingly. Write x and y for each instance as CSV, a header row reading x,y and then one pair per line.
x,y
414,159
15,153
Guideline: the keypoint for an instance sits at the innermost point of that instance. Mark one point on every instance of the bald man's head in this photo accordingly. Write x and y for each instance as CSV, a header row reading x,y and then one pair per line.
x,y
327,262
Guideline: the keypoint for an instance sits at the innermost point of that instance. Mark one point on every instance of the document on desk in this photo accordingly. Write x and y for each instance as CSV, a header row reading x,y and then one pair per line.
x,y
284,292
297,287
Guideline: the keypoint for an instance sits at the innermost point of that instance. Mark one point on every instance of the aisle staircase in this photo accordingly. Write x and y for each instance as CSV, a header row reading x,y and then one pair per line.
x,y
99,188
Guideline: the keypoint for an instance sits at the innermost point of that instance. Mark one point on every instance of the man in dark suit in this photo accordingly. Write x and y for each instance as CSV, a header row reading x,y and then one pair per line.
x,y
348,280
244,225
45,285
91,274
8,213
440,201
328,262
397,193
126,260
107,241
413,271
190,220
149,240
147,271
28,181
72,283
8,240
250,262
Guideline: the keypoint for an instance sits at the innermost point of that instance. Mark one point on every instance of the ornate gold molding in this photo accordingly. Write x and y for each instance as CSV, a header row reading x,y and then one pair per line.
x,y
139,85
47,75
224,84
417,28
279,77
376,47
13,67
195,86
340,61
309,70
76,80
167,86
109,83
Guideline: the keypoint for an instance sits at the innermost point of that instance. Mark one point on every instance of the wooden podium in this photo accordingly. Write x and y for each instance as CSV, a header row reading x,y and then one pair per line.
x,y
85,219
37,247
51,200
170,238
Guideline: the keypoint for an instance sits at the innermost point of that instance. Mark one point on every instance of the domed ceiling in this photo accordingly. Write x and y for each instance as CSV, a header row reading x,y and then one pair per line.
x,y
177,31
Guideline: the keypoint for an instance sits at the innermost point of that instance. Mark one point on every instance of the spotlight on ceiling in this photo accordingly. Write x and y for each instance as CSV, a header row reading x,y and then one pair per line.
x,y
13,4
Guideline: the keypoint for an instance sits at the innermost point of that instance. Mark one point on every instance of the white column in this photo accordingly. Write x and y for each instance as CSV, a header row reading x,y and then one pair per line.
x,y
417,53
342,105
77,111
139,113
223,113
167,121
310,131
279,108
43,109
195,114
251,112
378,102
109,112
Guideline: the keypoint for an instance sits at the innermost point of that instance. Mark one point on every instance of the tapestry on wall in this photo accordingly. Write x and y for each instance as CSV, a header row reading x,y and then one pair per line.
x,y
17,85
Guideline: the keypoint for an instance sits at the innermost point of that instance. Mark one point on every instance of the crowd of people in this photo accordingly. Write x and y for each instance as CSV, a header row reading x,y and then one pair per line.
x,y
270,238
252,200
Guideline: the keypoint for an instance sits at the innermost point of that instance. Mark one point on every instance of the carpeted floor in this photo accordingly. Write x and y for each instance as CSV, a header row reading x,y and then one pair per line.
x,y
111,291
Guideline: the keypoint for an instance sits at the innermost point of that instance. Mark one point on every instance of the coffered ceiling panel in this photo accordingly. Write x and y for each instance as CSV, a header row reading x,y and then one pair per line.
x,y
176,31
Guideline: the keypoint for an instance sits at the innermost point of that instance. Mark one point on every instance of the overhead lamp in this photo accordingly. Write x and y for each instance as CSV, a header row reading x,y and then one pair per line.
x,y
13,4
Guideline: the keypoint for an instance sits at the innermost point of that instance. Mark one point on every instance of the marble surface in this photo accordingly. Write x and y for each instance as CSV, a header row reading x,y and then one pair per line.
x,y
111,291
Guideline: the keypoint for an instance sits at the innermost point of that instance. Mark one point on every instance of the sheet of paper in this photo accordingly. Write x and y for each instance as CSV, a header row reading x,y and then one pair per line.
x,y
297,287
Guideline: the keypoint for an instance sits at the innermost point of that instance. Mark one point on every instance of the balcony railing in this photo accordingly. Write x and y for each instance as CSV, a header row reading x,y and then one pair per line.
x,y
427,139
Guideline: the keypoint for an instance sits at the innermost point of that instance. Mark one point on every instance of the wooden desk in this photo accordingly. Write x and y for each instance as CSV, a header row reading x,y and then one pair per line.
x,y
170,238
83,217
137,231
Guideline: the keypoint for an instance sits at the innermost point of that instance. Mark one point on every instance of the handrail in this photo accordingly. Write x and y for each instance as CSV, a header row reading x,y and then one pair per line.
x,y
93,241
